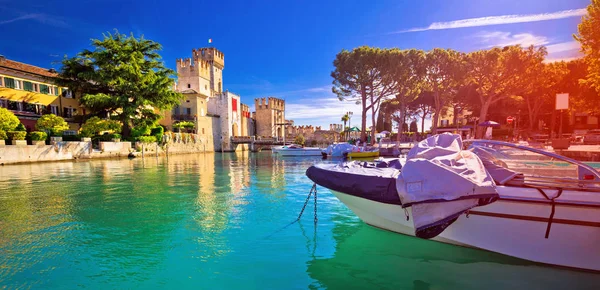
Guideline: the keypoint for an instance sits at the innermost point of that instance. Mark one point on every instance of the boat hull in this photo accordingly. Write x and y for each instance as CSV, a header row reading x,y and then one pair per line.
x,y
300,152
513,228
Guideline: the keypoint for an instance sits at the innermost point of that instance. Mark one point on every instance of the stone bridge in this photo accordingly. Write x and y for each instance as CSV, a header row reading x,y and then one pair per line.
x,y
257,143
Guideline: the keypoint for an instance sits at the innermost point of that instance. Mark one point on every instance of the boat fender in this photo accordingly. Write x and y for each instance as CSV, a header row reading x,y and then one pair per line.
x,y
551,218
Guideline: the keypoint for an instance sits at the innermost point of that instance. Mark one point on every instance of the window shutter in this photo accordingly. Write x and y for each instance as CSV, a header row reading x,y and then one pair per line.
x,y
10,83
28,86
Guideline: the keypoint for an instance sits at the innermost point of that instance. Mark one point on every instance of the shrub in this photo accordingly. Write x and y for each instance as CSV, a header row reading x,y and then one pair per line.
x,y
313,143
157,132
21,127
115,136
17,135
38,136
147,139
3,135
140,131
299,140
95,126
8,120
52,124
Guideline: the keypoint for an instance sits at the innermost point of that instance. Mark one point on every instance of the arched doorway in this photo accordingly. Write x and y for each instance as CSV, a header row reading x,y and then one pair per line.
x,y
234,130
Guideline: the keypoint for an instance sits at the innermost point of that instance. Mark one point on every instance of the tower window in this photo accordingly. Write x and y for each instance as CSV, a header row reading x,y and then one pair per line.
x,y
189,86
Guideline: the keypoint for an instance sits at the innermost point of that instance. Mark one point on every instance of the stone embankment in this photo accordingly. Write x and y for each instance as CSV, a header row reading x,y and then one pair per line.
x,y
67,150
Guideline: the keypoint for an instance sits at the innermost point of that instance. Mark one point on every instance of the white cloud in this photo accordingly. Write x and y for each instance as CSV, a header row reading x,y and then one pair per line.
x,y
39,17
322,111
500,38
566,59
498,20
563,46
556,51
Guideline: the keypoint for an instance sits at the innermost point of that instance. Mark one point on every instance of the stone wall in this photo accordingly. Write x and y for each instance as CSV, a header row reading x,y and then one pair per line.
x,y
37,153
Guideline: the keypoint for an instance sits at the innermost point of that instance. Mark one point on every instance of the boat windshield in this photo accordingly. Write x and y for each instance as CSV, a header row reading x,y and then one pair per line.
x,y
537,167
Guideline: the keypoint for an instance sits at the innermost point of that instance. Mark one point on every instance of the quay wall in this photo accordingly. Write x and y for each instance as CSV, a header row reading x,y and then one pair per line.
x,y
68,150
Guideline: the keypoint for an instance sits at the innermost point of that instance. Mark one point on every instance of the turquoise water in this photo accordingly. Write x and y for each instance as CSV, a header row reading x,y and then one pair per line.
x,y
217,221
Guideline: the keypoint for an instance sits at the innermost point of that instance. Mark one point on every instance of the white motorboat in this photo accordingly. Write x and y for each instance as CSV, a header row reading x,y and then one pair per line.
x,y
297,150
527,203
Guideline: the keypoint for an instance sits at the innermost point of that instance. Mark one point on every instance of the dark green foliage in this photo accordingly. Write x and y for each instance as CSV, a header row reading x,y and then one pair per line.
x,y
17,135
123,76
158,132
3,135
38,136
20,127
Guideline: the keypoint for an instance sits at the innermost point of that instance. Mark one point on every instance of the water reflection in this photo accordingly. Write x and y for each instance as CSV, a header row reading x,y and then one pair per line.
x,y
217,221
366,257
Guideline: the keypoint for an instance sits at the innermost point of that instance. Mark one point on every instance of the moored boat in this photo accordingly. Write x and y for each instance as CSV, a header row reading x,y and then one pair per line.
x,y
364,154
544,209
297,150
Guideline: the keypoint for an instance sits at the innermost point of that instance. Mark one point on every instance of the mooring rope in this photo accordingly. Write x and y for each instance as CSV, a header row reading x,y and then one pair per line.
x,y
310,193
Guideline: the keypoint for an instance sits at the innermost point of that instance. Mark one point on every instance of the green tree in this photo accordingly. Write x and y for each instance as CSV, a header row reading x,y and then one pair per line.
x,y
299,140
95,126
589,37
408,72
501,73
548,82
123,76
8,120
443,67
52,124
423,106
361,76
583,98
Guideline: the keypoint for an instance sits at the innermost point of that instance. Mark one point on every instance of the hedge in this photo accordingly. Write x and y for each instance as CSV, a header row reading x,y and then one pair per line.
x,y
38,136
147,139
17,135
3,135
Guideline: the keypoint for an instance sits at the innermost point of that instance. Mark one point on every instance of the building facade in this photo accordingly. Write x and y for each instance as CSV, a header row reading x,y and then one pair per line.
x,y
29,92
270,117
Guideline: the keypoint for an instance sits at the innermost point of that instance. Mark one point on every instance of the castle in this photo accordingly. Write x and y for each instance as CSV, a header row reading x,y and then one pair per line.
x,y
270,117
218,115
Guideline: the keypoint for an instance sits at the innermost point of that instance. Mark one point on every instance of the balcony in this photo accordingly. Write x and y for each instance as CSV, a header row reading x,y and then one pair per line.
x,y
183,117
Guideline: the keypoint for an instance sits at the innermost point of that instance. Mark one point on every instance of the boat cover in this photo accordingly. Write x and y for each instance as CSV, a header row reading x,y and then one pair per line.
x,y
370,180
440,182
338,150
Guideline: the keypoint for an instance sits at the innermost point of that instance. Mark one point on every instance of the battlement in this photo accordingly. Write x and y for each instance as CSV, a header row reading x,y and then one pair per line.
x,y
211,55
186,67
245,108
336,127
272,104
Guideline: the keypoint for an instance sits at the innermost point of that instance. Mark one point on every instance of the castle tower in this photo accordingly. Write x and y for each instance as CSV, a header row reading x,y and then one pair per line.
x,y
270,117
216,60
193,74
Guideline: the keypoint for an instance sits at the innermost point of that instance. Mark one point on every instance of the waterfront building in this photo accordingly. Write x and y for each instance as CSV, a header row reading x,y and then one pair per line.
x,y
218,115
270,117
30,91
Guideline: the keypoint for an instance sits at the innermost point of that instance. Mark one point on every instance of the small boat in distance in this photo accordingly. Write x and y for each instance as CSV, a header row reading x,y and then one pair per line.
x,y
497,196
297,150
372,153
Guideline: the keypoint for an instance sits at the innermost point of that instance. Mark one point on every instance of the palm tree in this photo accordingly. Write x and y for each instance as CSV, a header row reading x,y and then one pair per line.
x,y
345,119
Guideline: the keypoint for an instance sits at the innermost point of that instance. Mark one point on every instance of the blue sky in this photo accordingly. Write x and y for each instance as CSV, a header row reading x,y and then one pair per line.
x,y
286,48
